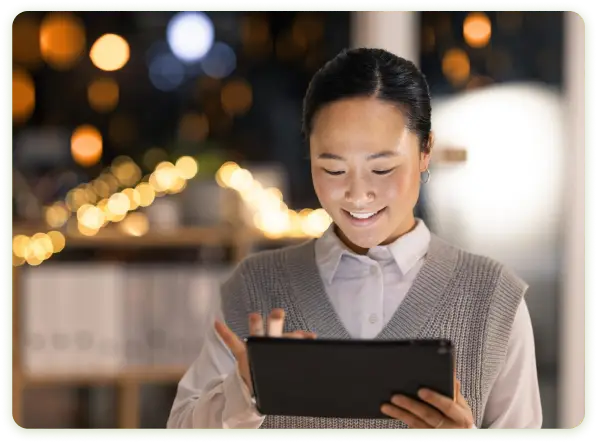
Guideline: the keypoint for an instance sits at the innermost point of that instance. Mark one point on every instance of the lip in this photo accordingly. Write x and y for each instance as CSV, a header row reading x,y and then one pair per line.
x,y
362,223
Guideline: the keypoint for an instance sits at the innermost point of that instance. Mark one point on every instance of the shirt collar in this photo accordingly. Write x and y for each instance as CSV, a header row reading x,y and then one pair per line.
x,y
406,251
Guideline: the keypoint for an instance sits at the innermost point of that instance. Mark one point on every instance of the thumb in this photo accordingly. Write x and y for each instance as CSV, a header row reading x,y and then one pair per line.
x,y
234,343
456,387
459,398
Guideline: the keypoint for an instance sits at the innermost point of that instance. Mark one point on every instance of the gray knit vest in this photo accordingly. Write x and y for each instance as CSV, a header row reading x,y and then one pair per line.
x,y
466,298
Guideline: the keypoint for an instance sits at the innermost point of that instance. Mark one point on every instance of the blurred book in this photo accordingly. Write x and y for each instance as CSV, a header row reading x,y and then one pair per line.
x,y
104,318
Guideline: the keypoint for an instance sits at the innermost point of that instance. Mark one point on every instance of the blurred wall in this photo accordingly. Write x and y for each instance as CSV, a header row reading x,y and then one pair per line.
x,y
393,31
572,337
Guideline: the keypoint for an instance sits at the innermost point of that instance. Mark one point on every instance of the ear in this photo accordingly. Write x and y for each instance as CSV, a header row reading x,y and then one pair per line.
x,y
425,157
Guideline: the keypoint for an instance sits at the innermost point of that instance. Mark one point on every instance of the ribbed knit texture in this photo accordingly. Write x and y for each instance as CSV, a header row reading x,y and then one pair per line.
x,y
469,299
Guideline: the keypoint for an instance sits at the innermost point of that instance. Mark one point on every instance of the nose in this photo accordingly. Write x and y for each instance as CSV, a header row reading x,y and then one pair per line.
x,y
359,193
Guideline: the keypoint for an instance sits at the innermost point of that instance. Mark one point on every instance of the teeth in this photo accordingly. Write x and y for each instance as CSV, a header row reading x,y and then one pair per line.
x,y
363,215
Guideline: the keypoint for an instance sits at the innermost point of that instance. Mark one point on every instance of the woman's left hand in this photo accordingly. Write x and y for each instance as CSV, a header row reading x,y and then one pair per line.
x,y
455,413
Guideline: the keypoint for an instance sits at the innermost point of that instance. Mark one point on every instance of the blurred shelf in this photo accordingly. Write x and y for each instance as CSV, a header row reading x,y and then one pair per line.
x,y
188,236
182,236
165,374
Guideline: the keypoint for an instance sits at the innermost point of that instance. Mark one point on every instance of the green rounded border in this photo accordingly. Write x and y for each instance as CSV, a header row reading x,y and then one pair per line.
x,y
295,435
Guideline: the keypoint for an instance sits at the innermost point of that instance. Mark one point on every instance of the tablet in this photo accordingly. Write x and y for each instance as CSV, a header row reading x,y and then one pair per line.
x,y
344,378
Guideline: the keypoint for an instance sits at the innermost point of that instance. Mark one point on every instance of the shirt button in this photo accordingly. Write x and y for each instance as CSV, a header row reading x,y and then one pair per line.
x,y
373,319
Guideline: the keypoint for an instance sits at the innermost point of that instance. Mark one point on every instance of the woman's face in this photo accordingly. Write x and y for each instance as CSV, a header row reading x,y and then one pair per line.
x,y
366,169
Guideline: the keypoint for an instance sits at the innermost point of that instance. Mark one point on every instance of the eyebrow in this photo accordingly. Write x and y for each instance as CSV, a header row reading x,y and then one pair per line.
x,y
382,154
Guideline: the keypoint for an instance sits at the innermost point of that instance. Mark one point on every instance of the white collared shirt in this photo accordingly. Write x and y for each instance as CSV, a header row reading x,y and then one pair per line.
x,y
365,291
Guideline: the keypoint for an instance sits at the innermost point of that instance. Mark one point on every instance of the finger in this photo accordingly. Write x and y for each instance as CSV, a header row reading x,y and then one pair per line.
x,y
456,385
446,405
421,410
458,397
256,324
298,334
412,421
231,340
275,323
295,334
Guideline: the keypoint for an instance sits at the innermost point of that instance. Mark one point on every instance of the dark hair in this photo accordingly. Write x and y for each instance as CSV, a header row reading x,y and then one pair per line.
x,y
365,72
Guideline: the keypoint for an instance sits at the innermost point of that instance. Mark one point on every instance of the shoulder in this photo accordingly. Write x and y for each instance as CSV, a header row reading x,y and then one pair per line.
x,y
483,270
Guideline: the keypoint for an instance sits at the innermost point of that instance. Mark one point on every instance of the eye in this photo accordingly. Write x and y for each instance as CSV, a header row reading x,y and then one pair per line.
x,y
333,172
384,172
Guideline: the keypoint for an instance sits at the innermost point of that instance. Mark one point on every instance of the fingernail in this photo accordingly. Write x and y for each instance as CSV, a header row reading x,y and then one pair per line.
x,y
277,312
424,393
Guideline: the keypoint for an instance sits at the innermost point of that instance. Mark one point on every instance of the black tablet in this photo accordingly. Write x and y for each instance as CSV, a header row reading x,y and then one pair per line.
x,y
344,378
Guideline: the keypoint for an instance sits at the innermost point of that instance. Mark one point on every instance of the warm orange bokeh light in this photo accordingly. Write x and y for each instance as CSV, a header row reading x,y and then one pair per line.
x,y
23,95
25,40
193,127
103,94
110,52
61,40
477,29
86,145
237,97
456,65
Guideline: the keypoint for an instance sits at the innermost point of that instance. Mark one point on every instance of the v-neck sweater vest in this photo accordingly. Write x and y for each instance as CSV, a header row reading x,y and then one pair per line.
x,y
466,298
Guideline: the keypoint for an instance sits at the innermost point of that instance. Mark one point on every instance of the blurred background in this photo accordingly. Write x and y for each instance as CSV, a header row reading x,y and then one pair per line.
x,y
152,151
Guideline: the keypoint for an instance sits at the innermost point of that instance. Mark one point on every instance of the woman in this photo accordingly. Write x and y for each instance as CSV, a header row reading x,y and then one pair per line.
x,y
377,272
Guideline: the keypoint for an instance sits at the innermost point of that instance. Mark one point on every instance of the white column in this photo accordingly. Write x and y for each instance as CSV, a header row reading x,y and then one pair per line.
x,y
396,32
571,374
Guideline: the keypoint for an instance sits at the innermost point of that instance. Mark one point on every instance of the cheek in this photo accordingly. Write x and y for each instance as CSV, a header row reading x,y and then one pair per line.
x,y
328,190
399,187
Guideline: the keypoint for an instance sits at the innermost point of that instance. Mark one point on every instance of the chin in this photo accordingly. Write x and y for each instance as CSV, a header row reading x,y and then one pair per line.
x,y
362,239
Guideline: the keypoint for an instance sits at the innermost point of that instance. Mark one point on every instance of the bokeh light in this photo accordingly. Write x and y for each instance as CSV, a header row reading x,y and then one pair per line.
x,y
23,95
57,215
135,224
255,35
456,65
166,72
220,61
118,204
125,170
190,35
58,241
146,194
237,97
103,94
61,40
134,198
25,41
86,145
187,167
193,127
476,29
110,52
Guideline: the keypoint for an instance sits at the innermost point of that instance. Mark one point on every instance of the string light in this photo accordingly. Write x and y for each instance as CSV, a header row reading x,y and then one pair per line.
x,y
115,208
268,212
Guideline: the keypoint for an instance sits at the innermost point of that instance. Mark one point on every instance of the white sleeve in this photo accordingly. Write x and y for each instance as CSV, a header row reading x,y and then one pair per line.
x,y
212,394
514,401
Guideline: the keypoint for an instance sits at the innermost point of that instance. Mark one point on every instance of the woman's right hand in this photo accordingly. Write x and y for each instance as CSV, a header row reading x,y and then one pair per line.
x,y
275,326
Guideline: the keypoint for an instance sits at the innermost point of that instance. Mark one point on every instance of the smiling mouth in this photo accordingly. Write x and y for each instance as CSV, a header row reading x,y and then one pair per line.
x,y
363,216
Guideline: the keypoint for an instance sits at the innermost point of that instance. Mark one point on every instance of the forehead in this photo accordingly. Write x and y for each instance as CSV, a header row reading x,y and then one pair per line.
x,y
363,122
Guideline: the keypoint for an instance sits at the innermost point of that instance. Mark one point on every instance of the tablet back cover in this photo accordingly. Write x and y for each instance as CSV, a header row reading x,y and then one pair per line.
x,y
344,378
